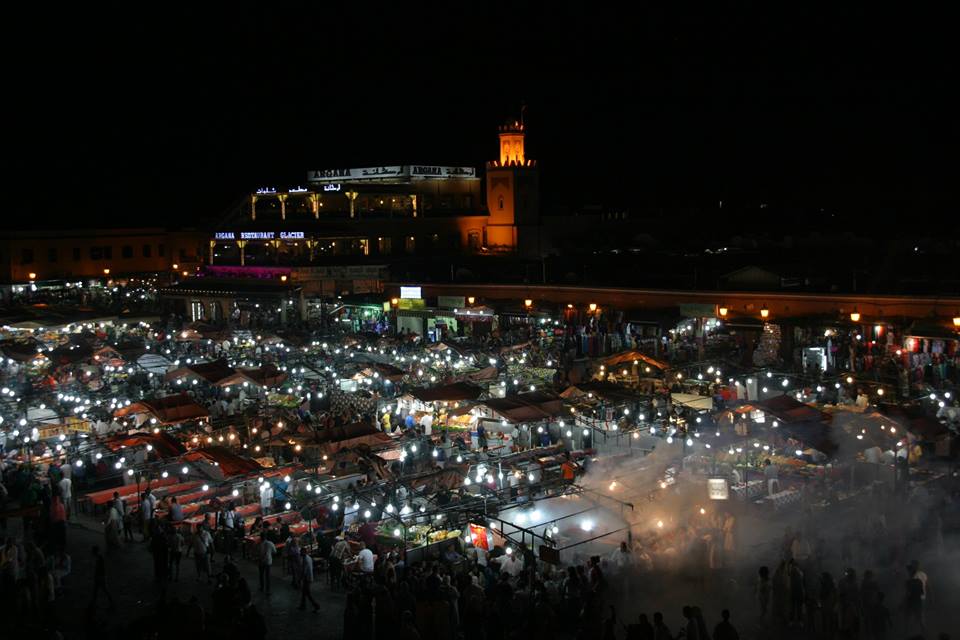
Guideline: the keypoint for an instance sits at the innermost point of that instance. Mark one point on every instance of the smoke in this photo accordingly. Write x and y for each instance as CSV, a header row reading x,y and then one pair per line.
x,y
681,555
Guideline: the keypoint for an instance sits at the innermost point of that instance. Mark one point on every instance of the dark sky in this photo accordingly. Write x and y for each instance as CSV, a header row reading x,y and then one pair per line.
x,y
119,113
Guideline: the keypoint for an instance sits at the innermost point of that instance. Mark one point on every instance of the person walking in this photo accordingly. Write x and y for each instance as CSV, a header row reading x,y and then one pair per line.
x,y
267,551
175,544
100,578
724,630
306,581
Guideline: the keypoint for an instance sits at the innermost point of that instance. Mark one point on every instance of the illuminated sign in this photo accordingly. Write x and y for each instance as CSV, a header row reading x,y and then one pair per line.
x,y
259,235
388,172
332,187
418,171
410,293
298,190
718,489
266,191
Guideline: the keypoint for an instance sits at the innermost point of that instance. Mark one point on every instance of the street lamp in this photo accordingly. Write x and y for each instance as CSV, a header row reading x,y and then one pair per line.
x,y
593,306
723,310
764,312
855,315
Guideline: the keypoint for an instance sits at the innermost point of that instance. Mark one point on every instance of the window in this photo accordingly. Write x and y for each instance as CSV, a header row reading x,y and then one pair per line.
x,y
52,254
26,257
409,244
161,250
147,250
364,246
76,254
473,240
500,202
126,251
101,253
384,245
183,255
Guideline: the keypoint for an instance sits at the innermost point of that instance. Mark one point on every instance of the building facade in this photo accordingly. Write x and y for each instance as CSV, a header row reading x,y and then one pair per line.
x,y
46,255
385,214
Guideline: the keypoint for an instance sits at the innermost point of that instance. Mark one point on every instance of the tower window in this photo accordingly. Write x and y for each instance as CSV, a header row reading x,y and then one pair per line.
x,y
500,202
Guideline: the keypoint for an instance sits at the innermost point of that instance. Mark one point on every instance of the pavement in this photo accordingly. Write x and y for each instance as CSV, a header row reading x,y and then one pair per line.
x,y
130,580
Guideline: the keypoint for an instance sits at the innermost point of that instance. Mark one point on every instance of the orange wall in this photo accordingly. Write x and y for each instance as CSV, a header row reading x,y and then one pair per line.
x,y
57,255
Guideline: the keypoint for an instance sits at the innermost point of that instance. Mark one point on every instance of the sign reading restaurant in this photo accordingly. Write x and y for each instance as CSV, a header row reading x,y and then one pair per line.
x,y
390,172
258,235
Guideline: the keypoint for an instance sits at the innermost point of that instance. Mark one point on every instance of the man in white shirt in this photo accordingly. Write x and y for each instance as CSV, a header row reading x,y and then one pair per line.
x,y
202,544
306,581
366,559
148,504
267,551
427,423
66,492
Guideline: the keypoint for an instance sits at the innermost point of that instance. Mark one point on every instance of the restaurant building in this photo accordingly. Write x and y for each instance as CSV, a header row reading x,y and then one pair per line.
x,y
385,214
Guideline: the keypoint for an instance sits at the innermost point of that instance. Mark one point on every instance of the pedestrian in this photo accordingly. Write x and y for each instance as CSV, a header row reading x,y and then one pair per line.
x,y
724,630
763,591
267,551
100,578
175,545
913,601
201,552
642,630
660,630
306,581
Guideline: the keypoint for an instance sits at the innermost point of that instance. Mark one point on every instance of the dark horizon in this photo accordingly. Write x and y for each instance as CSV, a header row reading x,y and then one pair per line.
x,y
175,116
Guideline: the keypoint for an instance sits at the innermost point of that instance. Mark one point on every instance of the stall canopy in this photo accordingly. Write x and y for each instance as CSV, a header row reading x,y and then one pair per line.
x,y
812,434
447,392
692,401
212,372
487,373
788,409
230,463
600,389
265,376
70,353
21,350
164,444
628,357
334,439
154,363
526,407
167,409
917,422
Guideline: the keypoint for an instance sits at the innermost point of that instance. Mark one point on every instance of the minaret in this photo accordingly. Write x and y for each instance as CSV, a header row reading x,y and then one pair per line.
x,y
511,145
512,195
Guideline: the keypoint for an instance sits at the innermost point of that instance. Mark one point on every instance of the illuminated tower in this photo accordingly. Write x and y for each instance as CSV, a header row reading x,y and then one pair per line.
x,y
513,195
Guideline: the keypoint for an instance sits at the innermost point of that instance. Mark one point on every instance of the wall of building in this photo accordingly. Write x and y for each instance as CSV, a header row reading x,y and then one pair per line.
x,y
52,255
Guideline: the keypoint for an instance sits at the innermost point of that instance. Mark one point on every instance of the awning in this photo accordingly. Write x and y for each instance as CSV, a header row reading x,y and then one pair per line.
x,y
212,372
164,444
700,403
167,410
632,355
448,392
788,409
230,463
265,376
526,407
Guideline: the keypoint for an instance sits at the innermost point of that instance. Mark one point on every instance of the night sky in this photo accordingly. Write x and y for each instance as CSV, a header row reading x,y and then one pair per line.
x,y
118,115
